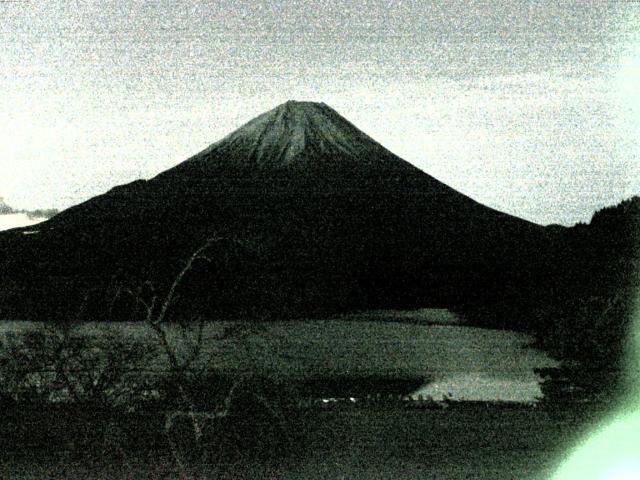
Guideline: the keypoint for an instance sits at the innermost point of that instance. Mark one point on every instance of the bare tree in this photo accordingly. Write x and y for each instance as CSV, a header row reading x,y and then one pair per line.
x,y
62,363
68,362
182,340
182,343
93,376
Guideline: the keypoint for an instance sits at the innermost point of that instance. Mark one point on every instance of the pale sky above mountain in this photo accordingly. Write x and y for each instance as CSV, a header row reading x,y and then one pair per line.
x,y
532,108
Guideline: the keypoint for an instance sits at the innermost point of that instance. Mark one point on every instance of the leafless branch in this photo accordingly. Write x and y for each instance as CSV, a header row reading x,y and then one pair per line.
x,y
171,295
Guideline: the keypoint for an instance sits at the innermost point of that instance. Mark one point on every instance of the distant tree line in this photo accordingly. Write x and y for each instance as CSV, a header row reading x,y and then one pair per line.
x,y
39,213
592,305
581,306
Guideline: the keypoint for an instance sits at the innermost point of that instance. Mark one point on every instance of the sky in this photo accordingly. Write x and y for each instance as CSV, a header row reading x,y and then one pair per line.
x,y
532,108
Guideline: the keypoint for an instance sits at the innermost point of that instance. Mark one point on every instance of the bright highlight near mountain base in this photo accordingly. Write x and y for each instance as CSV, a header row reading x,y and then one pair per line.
x,y
612,452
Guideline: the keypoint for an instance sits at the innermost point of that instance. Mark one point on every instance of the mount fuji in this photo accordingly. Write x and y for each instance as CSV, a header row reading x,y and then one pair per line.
x,y
312,216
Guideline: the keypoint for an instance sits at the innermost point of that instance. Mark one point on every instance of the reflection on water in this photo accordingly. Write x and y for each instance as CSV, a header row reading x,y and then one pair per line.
x,y
478,386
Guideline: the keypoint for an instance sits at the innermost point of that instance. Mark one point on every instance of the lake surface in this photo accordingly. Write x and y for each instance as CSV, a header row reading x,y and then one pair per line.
x,y
15,220
455,360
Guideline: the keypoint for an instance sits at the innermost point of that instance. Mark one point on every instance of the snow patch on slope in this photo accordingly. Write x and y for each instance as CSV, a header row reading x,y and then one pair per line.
x,y
282,136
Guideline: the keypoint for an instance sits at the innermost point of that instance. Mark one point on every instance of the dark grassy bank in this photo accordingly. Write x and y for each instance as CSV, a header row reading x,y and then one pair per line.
x,y
345,441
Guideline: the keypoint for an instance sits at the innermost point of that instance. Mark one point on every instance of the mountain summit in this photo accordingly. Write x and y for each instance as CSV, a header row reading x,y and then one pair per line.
x,y
301,137
314,216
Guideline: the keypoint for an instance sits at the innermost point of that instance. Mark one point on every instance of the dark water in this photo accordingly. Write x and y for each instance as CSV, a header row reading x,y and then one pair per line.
x,y
397,350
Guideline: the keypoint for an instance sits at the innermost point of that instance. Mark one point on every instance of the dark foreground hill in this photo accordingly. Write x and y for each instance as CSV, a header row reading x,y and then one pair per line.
x,y
311,216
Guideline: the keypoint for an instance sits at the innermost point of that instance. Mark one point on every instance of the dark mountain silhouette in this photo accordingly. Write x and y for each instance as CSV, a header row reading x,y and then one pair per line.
x,y
313,216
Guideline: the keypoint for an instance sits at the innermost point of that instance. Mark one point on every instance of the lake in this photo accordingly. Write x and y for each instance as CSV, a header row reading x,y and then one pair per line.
x,y
456,361
15,220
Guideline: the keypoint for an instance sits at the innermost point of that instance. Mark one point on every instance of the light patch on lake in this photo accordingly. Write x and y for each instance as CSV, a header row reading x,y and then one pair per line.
x,y
15,220
455,360
480,387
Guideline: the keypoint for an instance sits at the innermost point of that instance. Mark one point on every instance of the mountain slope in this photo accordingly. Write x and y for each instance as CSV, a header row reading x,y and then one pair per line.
x,y
314,217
